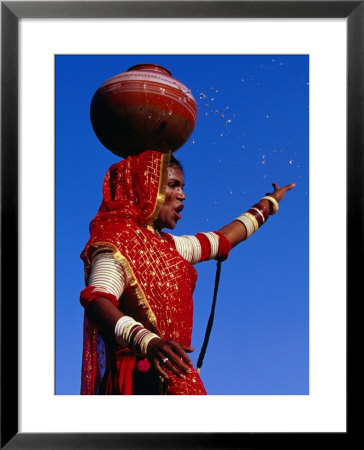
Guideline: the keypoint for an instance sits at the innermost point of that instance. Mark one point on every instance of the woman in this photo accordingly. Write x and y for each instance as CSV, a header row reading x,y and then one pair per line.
x,y
140,280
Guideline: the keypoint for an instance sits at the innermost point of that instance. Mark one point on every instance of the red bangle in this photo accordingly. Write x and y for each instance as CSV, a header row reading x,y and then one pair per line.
x,y
258,215
263,209
90,293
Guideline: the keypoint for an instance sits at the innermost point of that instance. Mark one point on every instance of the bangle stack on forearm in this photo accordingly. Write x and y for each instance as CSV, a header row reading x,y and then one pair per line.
x,y
132,334
257,215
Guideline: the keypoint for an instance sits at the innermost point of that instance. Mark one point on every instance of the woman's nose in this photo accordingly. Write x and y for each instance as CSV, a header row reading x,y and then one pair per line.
x,y
181,195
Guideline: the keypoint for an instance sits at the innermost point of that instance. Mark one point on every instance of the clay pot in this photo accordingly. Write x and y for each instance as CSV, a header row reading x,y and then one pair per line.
x,y
141,109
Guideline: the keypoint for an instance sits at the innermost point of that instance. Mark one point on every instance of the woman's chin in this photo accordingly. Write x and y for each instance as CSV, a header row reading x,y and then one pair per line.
x,y
171,225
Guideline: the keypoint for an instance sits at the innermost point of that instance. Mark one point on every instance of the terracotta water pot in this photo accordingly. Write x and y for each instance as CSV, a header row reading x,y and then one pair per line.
x,y
143,108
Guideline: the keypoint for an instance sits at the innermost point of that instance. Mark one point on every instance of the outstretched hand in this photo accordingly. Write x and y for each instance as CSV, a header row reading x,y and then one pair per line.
x,y
279,193
167,354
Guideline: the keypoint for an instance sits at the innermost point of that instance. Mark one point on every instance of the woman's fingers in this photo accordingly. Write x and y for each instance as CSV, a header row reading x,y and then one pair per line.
x,y
170,355
172,364
288,187
181,351
188,349
159,368
178,358
280,192
177,370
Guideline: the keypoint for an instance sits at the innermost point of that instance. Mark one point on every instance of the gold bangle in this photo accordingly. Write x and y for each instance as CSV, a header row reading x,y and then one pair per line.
x,y
274,203
253,220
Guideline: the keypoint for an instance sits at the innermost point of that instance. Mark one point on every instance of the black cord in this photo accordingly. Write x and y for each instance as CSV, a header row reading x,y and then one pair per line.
x,y
211,318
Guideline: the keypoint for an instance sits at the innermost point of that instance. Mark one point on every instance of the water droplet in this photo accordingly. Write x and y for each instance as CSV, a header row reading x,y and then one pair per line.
x,y
202,95
291,161
222,116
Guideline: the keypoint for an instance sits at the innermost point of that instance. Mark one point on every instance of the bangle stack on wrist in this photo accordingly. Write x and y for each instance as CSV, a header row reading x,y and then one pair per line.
x,y
132,334
254,218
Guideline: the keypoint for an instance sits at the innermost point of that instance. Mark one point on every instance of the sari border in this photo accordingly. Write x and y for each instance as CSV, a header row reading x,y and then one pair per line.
x,y
161,194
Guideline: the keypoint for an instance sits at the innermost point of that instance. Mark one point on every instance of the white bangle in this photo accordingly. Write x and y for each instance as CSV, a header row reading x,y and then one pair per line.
x,y
214,243
123,328
145,342
248,224
141,340
253,220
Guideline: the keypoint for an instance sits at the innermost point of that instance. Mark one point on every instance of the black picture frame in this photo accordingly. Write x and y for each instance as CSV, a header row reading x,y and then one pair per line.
x,y
11,13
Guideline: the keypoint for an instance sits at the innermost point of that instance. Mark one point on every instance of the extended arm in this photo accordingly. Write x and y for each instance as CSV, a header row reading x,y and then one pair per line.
x,y
237,231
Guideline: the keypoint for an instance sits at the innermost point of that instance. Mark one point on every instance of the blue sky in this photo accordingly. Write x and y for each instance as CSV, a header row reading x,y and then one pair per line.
x,y
252,129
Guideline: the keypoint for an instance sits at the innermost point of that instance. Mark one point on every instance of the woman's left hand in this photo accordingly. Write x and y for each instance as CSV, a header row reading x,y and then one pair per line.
x,y
279,193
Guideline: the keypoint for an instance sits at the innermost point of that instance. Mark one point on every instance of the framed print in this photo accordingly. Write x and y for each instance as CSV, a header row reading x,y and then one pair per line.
x,y
44,45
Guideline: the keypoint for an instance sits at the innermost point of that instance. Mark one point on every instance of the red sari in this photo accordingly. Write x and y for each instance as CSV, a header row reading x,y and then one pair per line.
x,y
160,294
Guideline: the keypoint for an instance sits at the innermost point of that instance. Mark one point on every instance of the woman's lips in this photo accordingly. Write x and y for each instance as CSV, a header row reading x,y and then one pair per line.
x,y
178,211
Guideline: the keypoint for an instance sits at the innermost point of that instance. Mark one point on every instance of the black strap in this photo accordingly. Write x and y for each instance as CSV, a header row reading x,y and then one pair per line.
x,y
211,318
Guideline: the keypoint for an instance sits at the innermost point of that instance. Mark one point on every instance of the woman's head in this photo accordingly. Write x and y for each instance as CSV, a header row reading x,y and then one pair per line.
x,y
172,207
131,191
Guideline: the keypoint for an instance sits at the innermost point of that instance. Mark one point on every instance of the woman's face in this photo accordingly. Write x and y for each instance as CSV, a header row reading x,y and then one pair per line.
x,y
170,212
